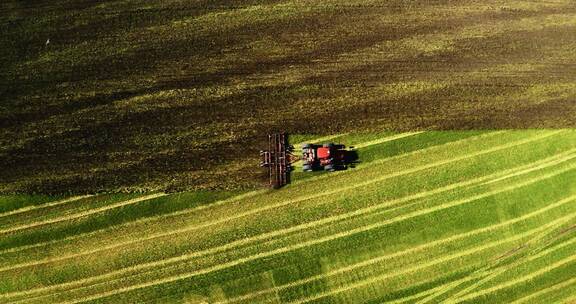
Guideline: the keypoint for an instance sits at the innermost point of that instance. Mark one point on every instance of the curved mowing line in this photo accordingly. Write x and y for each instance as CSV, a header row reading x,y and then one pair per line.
x,y
429,292
531,276
439,260
489,274
353,286
380,259
545,291
235,198
276,251
444,289
45,205
83,214
545,163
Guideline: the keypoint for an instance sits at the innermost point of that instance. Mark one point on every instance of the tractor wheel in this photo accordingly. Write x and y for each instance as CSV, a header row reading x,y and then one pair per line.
x,y
329,168
330,145
307,168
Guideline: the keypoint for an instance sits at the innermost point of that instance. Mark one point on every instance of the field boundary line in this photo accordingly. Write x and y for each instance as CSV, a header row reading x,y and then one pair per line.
x,y
45,205
388,139
545,291
323,138
526,168
532,275
278,250
415,249
83,214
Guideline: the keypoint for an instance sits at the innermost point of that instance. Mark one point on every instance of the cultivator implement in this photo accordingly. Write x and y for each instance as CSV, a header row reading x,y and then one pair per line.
x,y
278,159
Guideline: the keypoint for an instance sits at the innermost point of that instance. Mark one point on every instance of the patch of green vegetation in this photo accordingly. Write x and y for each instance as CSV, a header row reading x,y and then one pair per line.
x,y
132,96
429,215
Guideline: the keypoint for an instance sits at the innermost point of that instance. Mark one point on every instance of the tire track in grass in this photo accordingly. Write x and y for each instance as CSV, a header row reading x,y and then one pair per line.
x,y
82,214
551,225
439,260
222,202
545,291
428,292
243,260
45,205
377,260
527,168
303,226
522,279
489,272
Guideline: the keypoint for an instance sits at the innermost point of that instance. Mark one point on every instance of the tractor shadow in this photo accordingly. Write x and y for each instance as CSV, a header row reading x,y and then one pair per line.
x,y
349,160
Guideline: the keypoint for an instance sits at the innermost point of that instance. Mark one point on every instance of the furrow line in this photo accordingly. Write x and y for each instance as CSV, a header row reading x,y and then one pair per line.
x,y
45,205
531,276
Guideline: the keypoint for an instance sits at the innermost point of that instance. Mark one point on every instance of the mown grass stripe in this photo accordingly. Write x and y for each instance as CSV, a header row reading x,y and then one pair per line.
x,y
440,260
544,270
81,214
545,163
544,291
408,251
45,205
308,243
386,139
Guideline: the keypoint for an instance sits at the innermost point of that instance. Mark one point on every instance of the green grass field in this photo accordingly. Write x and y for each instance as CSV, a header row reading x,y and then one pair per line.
x,y
426,217
135,96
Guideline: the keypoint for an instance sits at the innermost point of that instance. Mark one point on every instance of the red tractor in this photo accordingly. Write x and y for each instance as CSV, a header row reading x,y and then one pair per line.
x,y
328,157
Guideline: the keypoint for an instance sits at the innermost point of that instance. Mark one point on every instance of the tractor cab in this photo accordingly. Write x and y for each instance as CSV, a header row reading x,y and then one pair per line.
x,y
328,157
